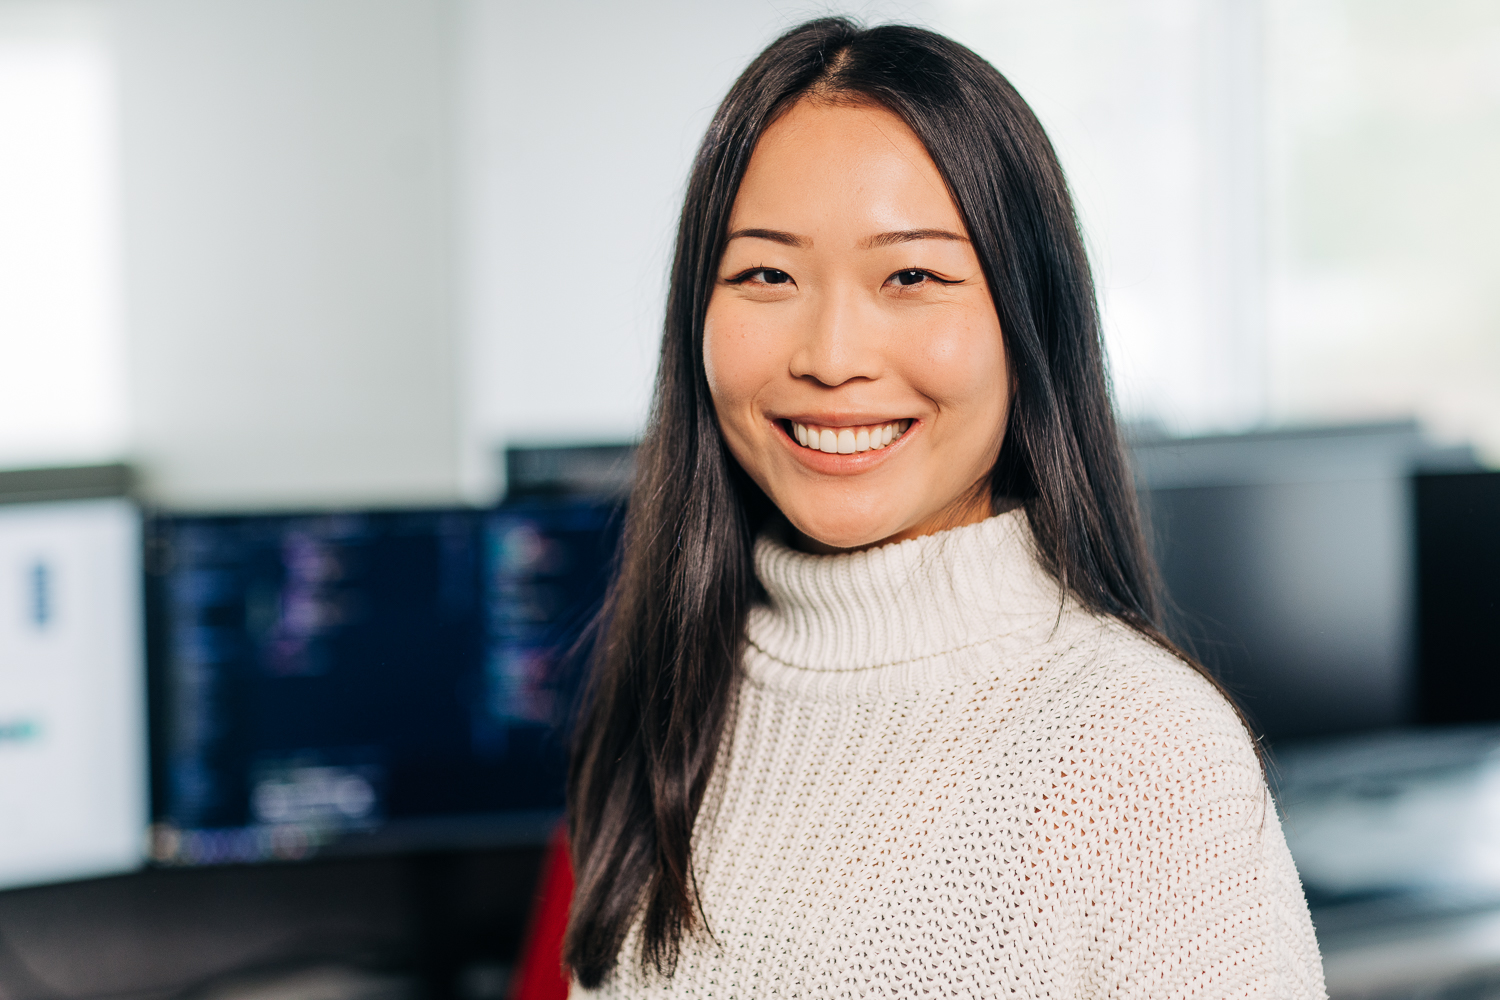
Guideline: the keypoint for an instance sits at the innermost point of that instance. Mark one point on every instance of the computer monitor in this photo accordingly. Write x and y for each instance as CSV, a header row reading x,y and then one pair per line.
x,y
72,691
367,682
1288,557
1458,573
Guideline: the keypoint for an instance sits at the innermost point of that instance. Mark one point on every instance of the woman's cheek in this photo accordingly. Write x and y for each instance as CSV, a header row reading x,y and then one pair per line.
x,y
720,366
733,367
738,353
960,361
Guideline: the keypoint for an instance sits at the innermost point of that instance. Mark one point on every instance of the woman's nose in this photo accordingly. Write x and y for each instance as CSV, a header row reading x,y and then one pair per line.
x,y
837,342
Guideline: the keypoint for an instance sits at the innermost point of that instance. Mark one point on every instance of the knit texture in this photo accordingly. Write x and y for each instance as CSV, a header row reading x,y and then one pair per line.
x,y
947,779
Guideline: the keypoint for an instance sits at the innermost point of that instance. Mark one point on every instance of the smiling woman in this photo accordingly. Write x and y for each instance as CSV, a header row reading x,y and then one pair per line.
x,y
880,704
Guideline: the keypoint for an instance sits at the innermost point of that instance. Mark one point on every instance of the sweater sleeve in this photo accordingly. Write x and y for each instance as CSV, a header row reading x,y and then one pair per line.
x,y
1194,893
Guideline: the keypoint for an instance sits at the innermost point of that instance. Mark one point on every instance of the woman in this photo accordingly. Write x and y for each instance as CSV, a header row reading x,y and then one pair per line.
x,y
881,707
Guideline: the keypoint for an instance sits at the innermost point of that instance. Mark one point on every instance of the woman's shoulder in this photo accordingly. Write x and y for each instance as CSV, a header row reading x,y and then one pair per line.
x,y
1136,706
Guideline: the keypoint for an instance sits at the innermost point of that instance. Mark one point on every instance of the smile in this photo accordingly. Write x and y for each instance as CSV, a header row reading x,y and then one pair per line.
x,y
847,440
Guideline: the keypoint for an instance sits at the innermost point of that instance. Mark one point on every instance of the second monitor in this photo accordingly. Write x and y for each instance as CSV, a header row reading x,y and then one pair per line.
x,y
382,681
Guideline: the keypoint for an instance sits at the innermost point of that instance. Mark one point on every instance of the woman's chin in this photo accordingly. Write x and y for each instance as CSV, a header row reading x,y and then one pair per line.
x,y
824,538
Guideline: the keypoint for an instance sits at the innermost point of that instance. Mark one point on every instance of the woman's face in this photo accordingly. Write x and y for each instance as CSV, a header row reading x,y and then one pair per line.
x,y
850,311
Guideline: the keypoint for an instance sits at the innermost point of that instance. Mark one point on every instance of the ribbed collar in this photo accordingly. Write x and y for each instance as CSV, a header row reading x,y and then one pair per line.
x,y
899,603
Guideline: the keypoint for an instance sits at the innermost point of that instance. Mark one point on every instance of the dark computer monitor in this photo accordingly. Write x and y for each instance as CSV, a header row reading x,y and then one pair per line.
x,y
1289,560
1458,574
367,681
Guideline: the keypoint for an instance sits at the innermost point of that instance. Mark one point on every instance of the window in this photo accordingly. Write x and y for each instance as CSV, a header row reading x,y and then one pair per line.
x,y
62,352
1384,152
1290,204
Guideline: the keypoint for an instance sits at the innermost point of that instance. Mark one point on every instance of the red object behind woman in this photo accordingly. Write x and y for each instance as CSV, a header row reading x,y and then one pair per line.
x,y
540,974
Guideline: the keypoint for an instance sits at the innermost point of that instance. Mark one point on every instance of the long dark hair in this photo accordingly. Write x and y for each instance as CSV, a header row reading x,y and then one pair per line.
x,y
673,626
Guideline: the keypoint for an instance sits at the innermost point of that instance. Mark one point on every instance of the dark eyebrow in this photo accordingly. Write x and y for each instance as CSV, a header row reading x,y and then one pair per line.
x,y
911,236
774,235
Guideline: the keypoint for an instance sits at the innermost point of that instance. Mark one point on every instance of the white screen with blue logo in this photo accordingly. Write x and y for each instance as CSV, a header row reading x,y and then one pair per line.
x,y
73,771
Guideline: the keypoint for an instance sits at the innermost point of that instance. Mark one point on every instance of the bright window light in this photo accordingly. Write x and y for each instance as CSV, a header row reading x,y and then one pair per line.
x,y
62,357
1384,121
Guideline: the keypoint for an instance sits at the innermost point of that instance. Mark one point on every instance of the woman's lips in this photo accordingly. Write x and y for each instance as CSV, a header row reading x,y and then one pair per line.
x,y
846,440
837,462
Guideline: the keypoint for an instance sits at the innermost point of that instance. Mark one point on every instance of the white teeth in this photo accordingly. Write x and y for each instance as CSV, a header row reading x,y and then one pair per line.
x,y
849,440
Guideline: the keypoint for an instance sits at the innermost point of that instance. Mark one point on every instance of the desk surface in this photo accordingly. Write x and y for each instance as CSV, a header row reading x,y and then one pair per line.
x,y
1397,838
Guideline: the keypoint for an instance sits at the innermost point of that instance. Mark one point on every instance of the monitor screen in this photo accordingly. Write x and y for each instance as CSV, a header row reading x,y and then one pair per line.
x,y
72,691
358,682
1287,557
1458,552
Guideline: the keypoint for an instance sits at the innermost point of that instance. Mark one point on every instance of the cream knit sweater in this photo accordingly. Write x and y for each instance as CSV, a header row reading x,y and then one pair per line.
x,y
945,780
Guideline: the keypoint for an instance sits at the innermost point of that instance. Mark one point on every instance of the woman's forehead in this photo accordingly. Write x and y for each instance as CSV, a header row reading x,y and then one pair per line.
x,y
841,167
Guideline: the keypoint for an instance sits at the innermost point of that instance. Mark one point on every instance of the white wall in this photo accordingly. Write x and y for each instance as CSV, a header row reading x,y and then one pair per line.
x,y
288,218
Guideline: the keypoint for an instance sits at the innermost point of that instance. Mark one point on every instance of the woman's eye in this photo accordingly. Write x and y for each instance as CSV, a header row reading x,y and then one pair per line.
x,y
764,276
910,277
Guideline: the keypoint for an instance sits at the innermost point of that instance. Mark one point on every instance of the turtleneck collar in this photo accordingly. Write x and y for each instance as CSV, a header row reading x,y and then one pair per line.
x,y
890,606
